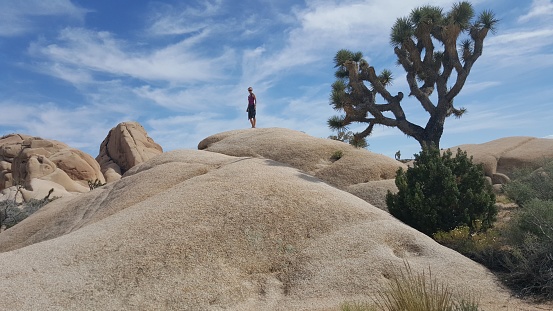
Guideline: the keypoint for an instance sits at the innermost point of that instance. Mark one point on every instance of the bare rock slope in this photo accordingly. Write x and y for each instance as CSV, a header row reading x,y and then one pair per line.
x,y
361,172
197,230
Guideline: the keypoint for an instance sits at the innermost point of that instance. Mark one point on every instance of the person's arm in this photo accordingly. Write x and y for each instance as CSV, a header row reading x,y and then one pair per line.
x,y
254,102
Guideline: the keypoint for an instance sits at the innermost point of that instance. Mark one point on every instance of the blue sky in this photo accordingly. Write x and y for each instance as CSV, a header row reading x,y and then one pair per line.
x,y
70,70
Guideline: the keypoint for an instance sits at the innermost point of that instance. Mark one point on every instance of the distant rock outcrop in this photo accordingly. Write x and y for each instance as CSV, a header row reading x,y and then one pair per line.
x,y
339,164
37,165
125,146
502,156
197,230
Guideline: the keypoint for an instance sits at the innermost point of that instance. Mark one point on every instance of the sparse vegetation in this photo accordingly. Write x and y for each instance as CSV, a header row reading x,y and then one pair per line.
x,y
95,184
410,291
520,252
441,192
530,259
343,134
11,212
337,155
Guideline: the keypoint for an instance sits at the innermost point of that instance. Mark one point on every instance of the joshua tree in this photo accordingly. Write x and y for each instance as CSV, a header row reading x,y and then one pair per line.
x,y
425,44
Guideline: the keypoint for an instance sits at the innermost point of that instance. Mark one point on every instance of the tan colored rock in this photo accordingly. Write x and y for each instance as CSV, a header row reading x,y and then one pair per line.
x,y
374,191
507,154
197,230
40,167
10,147
24,158
78,165
39,189
6,178
309,154
125,146
17,149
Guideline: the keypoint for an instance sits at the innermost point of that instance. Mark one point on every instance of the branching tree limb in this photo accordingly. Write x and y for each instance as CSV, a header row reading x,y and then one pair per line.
x,y
428,70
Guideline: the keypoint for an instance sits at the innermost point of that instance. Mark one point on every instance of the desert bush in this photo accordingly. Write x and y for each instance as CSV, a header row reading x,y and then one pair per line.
x,y
337,155
530,260
11,213
441,192
485,247
95,184
527,185
357,306
8,208
410,291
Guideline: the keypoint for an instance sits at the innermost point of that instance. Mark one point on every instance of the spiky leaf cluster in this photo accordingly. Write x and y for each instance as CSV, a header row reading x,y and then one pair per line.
x,y
436,49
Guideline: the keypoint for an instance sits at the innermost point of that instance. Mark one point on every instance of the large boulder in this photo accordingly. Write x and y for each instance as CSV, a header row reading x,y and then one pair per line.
x,y
125,146
197,230
502,156
10,147
337,163
25,158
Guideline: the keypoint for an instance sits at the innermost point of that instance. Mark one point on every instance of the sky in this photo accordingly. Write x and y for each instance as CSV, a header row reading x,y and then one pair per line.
x,y
70,70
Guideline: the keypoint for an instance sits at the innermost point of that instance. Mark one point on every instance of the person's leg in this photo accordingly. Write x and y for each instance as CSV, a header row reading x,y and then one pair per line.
x,y
253,123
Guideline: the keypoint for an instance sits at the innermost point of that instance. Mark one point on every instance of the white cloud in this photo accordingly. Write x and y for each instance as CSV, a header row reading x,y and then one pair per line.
x,y
101,52
171,20
17,17
539,9
50,121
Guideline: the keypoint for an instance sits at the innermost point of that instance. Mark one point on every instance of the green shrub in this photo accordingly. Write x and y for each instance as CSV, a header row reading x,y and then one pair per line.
x,y
530,260
441,192
527,185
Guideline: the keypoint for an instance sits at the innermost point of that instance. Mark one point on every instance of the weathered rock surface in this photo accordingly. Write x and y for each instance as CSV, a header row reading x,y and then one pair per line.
x,y
197,230
315,156
125,146
501,156
25,158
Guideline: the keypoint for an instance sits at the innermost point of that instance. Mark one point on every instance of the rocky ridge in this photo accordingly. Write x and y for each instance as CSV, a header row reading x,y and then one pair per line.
x,y
33,167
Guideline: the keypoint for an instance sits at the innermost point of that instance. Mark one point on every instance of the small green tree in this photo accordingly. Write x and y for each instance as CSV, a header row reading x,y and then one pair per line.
x,y
441,192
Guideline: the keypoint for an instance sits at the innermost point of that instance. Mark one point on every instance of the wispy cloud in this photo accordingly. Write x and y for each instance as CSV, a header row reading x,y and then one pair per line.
x,y
102,53
170,20
539,9
19,17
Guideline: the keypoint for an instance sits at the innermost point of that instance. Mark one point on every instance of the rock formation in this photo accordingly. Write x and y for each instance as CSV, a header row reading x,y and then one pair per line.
x,y
125,146
355,170
38,165
197,230
501,156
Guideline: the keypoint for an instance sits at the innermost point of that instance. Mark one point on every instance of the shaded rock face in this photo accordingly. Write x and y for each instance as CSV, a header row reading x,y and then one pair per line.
x,y
125,146
502,156
25,159
337,163
10,146
197,230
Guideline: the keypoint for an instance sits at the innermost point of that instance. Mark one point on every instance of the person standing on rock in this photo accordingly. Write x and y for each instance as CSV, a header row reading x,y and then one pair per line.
x,y
252,105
